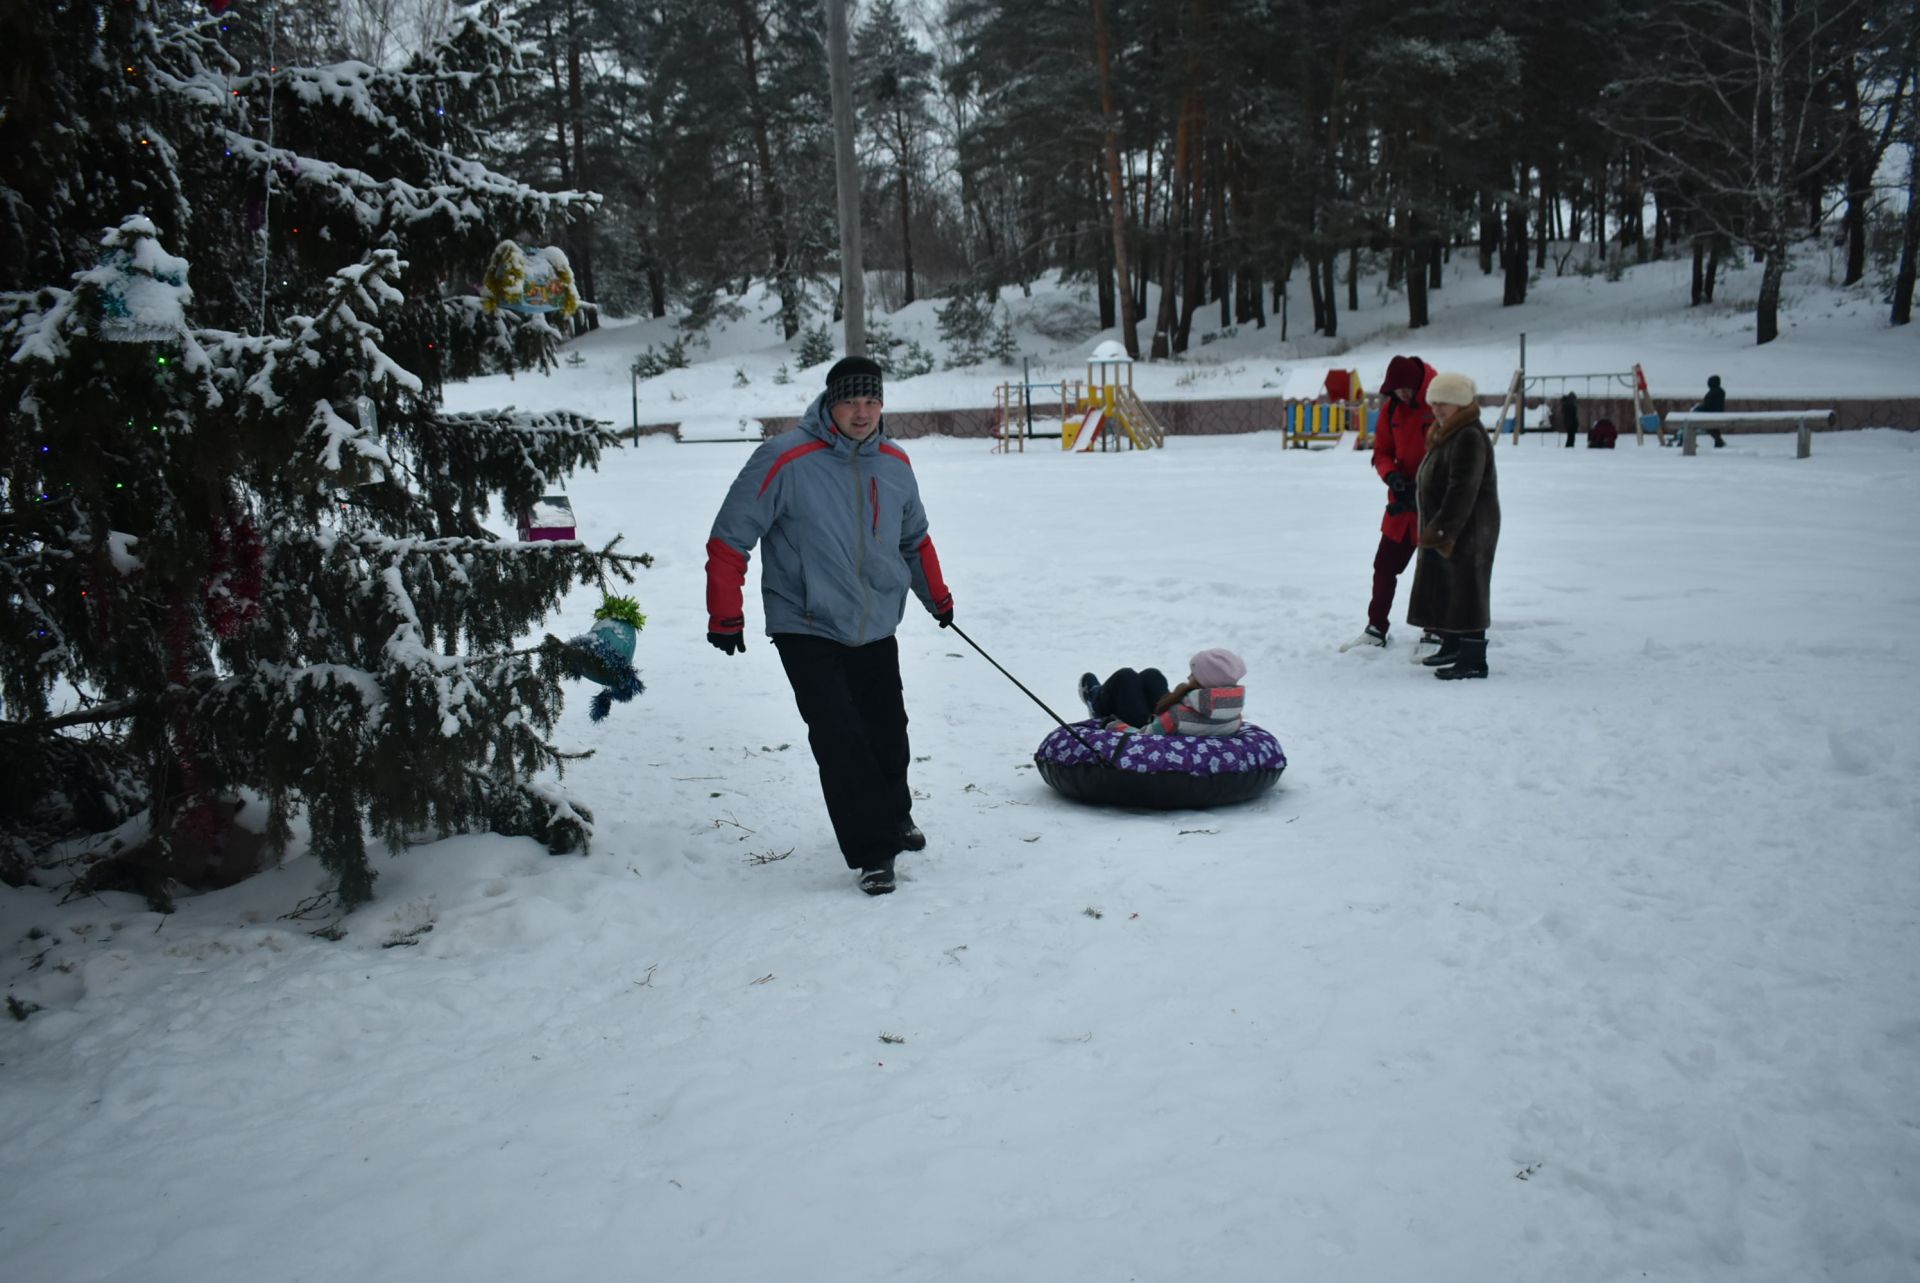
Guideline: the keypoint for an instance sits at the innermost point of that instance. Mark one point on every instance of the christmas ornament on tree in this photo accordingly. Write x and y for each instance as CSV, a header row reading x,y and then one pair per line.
x,y
521,278
605,652
143,289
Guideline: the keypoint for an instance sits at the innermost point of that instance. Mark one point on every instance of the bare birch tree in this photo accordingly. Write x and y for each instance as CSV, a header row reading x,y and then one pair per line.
x,y
1733,105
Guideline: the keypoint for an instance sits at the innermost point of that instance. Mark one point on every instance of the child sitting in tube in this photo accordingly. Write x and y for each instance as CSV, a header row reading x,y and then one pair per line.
x,y
1207,703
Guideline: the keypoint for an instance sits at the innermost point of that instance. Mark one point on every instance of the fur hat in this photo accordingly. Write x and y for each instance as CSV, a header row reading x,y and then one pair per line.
x,y
1404,372
1217,667
1450,388
851,377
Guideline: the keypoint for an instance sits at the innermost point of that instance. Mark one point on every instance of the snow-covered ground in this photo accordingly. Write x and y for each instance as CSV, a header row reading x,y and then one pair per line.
x,y
1601,969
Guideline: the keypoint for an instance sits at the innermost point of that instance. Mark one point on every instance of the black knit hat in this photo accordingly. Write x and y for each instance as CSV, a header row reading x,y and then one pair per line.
x,y
850,377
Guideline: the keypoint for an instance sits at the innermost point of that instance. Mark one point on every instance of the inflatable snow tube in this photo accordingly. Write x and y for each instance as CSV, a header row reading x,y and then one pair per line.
x,y
1159,772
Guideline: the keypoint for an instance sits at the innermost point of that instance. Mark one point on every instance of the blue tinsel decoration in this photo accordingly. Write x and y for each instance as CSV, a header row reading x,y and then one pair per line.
x,y
610,643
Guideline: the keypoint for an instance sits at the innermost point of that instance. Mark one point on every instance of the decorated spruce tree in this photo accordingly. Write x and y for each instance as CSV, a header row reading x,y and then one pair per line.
x,y
242,552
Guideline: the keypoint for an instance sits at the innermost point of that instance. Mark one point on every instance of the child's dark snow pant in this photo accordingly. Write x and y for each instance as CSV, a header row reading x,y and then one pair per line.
x,y
857,726
1130,696
1390,559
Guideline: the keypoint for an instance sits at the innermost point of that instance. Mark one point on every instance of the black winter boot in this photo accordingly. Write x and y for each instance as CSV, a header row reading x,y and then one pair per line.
x,y
1470,662
1448,652
911,838
878,879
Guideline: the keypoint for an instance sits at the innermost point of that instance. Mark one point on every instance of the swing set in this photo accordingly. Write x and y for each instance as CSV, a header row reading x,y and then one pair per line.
x,y
1623,386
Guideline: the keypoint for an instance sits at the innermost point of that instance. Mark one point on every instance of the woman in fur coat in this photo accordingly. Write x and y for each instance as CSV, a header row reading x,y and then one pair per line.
x,y
1459,527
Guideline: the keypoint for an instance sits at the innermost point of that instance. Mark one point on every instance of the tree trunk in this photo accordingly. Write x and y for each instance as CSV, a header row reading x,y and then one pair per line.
x,y
906,226
580,234
1515,255
1775,195
1489,232
1416,272
1116,198
1910,226
1767,309
1215,246
1326,292
1175,228
1699,266
1314,295
1542,225
1194,280
1280,294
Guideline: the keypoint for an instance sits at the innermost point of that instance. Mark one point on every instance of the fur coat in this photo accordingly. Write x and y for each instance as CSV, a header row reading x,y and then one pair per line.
x,y
1459,527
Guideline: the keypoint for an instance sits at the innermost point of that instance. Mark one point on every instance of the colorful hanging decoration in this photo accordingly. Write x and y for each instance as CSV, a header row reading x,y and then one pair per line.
x,y
521,278
604,653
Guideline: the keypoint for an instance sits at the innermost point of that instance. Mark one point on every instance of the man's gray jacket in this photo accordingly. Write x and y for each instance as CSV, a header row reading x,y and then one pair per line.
x,y
844,531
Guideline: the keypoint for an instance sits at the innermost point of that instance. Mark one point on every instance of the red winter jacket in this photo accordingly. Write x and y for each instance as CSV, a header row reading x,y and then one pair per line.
x,y
1400,439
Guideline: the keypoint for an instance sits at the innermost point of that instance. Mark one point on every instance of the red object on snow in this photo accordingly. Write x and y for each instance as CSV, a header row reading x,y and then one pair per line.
x,y
551,517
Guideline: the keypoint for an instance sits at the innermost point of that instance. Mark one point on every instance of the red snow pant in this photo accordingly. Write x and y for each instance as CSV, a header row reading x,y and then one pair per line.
x,y
1388,562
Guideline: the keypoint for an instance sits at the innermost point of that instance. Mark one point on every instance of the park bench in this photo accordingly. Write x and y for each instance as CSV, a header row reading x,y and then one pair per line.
x,y
1684,424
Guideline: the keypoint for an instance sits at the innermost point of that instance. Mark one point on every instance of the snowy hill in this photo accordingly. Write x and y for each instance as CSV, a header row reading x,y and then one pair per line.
x,y
1834,343
1600,969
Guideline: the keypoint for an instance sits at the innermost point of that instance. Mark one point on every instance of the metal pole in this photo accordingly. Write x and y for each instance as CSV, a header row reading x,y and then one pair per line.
x,y
853,281
1026,385
1520,415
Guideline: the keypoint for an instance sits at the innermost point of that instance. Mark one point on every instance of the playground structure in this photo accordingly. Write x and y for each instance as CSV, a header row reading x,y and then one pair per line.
x,y
1342,406
1102,413
1626,389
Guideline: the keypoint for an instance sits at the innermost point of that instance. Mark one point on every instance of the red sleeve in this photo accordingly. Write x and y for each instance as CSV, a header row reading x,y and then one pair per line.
x,y
1383,460
936,583
726,575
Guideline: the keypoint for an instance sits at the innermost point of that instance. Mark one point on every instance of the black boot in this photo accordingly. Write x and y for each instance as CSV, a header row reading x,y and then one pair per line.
x,y
1471,661
1448,652
877,879
911,838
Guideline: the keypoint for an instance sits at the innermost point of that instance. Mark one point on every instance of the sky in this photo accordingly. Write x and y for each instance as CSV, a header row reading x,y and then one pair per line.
x,y
1600,969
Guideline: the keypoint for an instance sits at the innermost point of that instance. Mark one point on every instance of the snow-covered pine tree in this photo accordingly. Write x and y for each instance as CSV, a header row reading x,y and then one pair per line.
x,y
241,543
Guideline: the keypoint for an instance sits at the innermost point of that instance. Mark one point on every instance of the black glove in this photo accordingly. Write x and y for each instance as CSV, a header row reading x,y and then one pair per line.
x,y
730,643
1400,483
945,617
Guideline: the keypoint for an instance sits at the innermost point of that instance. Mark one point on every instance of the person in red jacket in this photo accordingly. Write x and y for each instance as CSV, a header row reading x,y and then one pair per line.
x,y
1399,443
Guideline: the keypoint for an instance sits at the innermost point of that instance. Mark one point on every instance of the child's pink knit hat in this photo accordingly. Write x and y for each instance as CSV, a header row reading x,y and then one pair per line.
x,y
1217,667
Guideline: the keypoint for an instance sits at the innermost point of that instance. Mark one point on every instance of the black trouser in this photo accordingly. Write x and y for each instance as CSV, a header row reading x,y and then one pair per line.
x,y
1130,696
857,726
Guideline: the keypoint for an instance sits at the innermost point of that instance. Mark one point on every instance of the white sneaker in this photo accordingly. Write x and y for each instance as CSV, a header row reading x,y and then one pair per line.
x,y
1370,636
